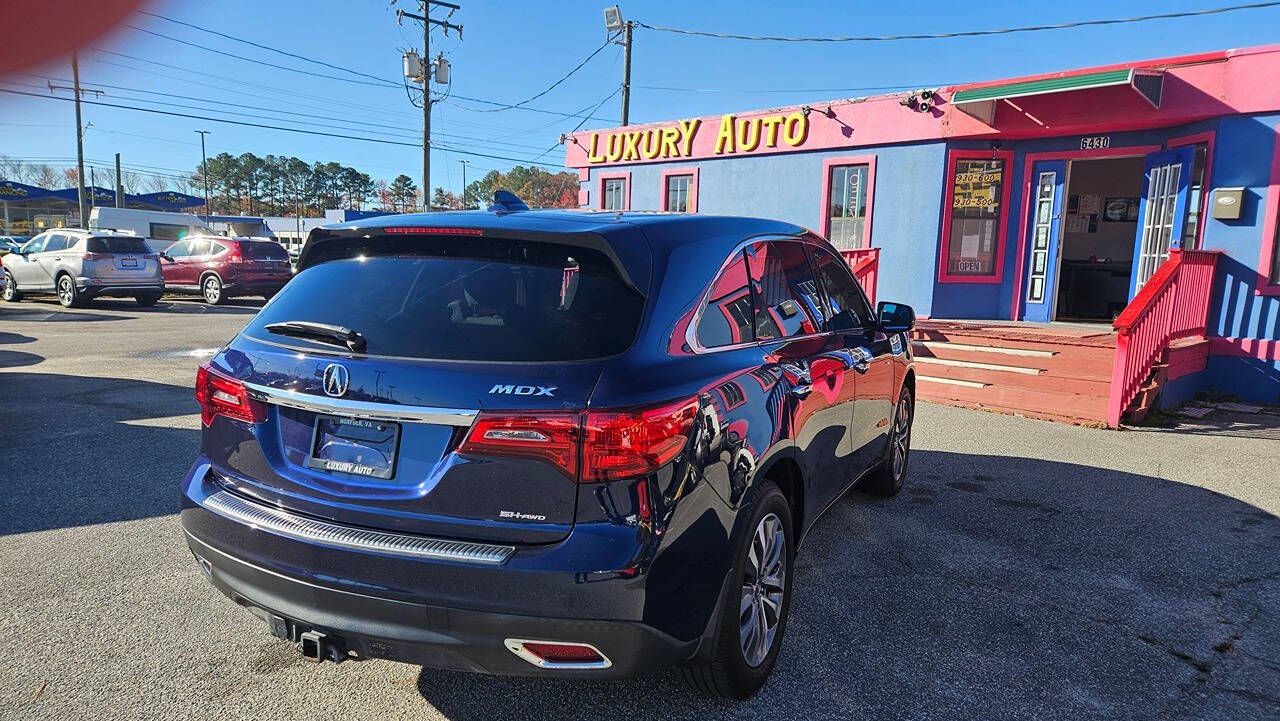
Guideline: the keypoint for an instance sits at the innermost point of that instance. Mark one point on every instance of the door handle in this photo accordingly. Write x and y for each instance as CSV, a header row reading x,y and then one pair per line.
x,y
802,391
857,359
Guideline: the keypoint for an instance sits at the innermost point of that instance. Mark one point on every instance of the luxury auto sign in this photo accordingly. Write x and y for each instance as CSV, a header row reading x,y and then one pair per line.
x,y
736,136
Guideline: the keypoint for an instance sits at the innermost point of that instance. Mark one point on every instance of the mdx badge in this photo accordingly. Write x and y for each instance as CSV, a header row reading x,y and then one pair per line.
x,y
514,390
336,379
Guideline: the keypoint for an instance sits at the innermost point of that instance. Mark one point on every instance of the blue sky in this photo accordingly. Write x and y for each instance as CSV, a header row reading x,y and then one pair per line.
x,y
513,50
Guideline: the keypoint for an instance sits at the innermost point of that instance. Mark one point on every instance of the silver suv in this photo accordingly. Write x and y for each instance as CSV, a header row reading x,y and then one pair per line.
x,y
78,265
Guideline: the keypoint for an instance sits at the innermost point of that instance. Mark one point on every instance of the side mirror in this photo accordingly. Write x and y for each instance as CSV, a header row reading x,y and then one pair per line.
x,y
895,317
165,256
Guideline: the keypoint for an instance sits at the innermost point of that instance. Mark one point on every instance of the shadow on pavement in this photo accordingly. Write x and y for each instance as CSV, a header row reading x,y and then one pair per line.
x,y
7,338
54,312
17,359
68,457
1264,426
992,587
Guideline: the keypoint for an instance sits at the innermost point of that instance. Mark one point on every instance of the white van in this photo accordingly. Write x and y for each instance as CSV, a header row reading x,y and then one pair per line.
x,y
161,229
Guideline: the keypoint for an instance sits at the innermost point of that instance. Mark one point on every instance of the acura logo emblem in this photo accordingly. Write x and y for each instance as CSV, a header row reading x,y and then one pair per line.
x,y
336,379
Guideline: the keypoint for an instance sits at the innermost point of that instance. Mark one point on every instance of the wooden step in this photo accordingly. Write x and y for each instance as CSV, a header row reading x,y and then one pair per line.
x,y
1093,365
1086,407
1042,381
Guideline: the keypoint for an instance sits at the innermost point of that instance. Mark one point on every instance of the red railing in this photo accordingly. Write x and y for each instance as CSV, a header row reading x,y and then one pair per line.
x,y
865,264
1173,304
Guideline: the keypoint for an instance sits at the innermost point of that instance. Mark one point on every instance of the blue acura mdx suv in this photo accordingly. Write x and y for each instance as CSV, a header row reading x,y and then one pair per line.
x,y
545,443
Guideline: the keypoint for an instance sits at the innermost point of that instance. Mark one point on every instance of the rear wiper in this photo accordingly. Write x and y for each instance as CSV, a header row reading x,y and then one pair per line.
x,y
324,332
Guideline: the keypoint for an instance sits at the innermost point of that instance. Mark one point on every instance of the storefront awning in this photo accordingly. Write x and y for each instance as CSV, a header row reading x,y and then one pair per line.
x,y
981,102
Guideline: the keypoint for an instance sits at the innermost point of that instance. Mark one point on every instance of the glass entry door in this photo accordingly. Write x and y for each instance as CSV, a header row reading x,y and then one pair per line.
x,y
1161,212
1043,225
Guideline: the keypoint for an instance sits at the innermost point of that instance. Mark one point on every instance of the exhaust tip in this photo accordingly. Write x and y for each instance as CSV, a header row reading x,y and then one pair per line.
x,y
558,654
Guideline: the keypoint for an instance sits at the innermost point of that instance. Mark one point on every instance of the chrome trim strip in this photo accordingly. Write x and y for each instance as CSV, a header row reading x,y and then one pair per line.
x,y
283,523
361,409
516,646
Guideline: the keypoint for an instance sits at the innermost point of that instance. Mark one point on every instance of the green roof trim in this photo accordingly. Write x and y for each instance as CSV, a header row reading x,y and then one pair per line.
x,y
1099,79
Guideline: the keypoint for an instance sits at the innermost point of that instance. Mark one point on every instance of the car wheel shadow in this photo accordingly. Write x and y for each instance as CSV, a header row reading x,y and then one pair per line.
x,y
1039,588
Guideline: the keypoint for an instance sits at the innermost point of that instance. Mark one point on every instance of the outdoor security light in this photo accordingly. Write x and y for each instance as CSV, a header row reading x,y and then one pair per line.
x,y
612,19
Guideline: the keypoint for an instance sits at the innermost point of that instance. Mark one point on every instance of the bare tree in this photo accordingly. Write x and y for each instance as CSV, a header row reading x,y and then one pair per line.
x,y
131,181
13,169
44,176
157,183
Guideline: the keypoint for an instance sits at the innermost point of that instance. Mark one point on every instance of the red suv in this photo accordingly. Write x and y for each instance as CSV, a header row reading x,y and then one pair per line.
x,y
221,268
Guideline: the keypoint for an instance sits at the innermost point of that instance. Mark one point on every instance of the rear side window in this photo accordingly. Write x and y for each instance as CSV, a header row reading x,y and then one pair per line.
x,y
119,245
477,299
263,251
785,293
167,231
57,241
726,318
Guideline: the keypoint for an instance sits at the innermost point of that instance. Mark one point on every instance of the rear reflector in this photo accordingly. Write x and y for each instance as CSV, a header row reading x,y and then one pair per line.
x,y
558,654
432,231
221,395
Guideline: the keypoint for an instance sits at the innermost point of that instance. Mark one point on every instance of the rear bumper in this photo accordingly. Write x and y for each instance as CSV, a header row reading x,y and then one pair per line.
x,y
99,286
456,613
253,286
429,635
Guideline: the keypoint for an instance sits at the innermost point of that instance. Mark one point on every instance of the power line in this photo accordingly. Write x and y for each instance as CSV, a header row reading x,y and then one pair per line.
x,y
380,83
550,87
963,34
264,47
578,127
301,131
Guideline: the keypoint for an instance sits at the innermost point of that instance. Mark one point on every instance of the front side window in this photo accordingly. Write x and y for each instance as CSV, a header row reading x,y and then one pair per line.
x,y
678,193
847,206
846,307
973,236
726,317
784,292
36,244
615,192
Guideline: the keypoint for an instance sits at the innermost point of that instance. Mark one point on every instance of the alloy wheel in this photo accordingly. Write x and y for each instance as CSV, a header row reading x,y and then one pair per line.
x,y
9,289
66,293
211,290
901,436
763,587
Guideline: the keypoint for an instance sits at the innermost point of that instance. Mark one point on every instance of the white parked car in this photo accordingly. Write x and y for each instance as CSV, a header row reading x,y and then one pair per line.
x,y
78,265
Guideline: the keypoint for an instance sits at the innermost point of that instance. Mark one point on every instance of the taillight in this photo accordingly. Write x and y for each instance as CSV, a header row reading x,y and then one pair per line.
x,y
93,256
552,437
590,447
633,443
235,256
221,395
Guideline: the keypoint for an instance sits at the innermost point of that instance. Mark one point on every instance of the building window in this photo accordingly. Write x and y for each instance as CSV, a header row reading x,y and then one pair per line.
x,y
974,227
613,195
847,206
678,187
1195,194
1274,276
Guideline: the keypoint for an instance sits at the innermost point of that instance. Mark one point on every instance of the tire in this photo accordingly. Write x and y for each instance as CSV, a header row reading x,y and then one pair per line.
x,y
211,289
11,292
146,300
888,480
738,667
68,295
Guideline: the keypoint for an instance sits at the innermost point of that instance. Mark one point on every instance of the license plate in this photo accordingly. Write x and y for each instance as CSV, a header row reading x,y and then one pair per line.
x,y
128,262
354,446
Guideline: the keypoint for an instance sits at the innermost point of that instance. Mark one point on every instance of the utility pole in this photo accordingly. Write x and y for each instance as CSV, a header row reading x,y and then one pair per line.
x,y
626,73
119,186
464,184
204,170
93,181
425,18
75,73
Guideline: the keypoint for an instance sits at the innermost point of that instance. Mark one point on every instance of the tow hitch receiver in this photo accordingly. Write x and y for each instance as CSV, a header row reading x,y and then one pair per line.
x,y
319,647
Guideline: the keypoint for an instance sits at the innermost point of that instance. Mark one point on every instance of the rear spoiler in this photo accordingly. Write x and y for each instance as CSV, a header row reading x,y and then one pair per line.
x,y
325,244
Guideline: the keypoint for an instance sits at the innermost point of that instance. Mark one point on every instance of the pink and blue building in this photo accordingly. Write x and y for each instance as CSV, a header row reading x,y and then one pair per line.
x,y
1066,198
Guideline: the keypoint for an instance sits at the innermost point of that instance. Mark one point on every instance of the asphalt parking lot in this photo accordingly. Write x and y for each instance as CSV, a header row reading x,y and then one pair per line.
x,y
1029,570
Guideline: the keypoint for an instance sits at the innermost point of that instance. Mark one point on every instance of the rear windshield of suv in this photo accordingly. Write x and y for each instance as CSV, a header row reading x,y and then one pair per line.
x,y
468,299
263,250
119,245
